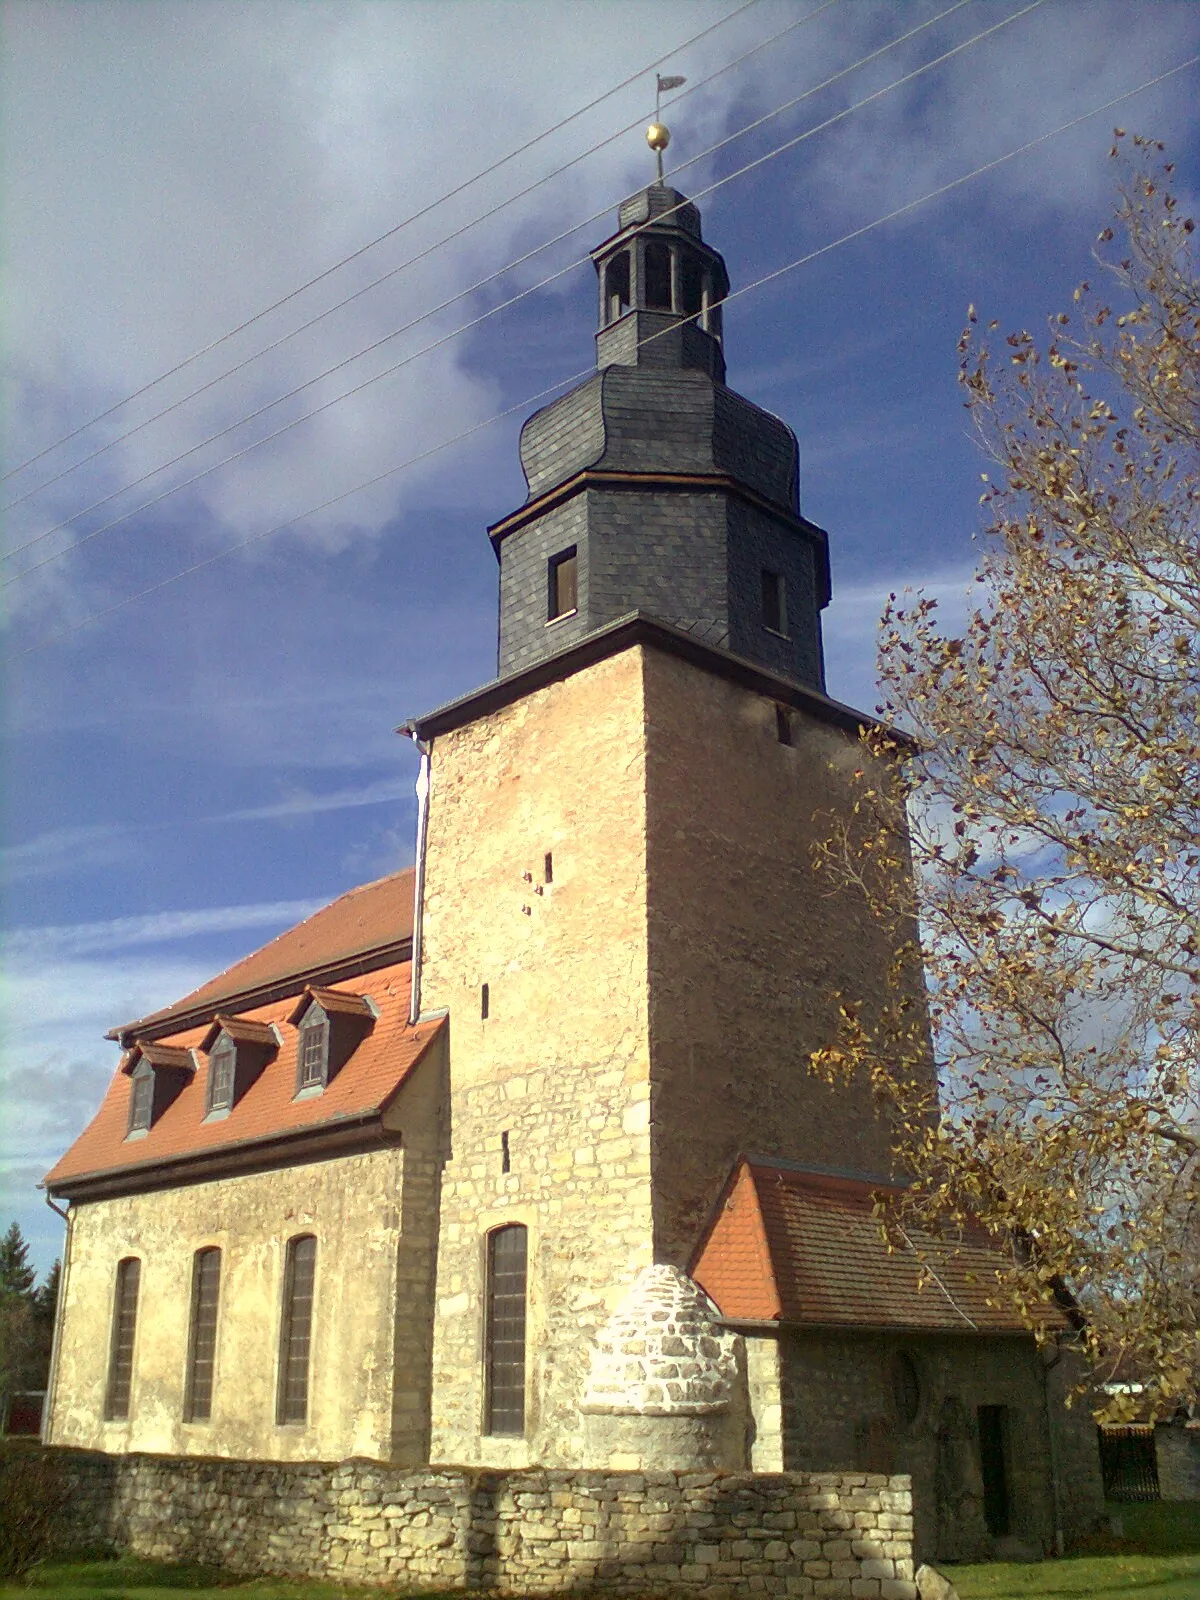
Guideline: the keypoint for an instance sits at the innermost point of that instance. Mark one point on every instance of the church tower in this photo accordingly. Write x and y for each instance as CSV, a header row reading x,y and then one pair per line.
x,y
655,488
620,914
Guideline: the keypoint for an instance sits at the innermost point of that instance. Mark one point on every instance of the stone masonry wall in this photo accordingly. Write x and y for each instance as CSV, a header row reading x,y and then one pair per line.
x,y
749,946
549,1094
838,1535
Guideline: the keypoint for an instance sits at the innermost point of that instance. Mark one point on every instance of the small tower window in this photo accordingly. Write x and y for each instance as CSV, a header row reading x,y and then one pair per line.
x,y
616,287
774,601
563,585
783,724
658,276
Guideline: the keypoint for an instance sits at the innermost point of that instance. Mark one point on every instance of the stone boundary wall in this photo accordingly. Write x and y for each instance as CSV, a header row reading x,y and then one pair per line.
x,y
541,1530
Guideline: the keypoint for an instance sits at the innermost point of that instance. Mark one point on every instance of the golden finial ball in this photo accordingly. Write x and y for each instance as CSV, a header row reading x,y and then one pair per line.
x,y
658,136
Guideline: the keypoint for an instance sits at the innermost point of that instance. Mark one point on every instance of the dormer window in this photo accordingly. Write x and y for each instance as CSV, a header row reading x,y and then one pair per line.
x,y
221,1065
331,1024
237,1051
314,1048
157,1074
142,1101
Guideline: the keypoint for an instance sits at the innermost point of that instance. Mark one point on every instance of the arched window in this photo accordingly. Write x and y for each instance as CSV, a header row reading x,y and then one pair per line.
x,y
295,1331
616,287
658,276
504,1332
202,1335
124,1326
692,284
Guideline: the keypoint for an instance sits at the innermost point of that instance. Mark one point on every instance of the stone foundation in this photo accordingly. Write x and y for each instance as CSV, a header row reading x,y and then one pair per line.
x,y
838,1535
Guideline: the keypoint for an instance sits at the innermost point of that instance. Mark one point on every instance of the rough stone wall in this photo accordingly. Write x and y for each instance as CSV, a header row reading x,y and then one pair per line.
x,y
561,1063
843,1536
841,1411
1177,1446
747,947
367,1392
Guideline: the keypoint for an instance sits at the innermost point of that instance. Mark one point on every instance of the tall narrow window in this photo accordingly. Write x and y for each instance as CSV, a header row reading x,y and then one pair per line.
x,y
774,601
505,1330
141,1105
564,584
658,277
616,287
124,1325
202,1335
295,1336
221,1066
314,1050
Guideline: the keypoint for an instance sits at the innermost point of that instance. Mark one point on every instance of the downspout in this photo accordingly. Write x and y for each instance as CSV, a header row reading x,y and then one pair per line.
x,y
56,1338
1055,1491
424,749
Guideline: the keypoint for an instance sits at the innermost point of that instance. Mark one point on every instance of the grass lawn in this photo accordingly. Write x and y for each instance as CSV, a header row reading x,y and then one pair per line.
x,y
1156,1558
131,1579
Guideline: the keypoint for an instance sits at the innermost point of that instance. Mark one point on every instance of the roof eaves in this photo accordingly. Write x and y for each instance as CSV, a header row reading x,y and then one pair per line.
x,y
172,1020
638,627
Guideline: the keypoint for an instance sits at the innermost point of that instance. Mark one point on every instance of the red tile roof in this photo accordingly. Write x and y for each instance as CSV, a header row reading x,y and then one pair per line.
x,y
366,921
806,1249
269,1109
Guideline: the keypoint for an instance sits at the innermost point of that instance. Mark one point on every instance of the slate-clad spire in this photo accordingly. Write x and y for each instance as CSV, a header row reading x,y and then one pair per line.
x,y
655,488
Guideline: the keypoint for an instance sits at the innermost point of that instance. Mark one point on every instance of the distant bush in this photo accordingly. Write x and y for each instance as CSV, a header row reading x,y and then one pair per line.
x,y
34,1490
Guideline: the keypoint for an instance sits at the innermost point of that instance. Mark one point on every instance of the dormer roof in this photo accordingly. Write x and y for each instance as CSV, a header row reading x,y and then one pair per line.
x,y
334,1002
159,1055
242,1030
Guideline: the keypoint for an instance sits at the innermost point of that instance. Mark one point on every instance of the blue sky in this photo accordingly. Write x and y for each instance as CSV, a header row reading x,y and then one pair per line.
x,y
201,768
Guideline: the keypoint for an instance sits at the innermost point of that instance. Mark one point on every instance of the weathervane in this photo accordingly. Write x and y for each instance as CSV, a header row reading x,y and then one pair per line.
x,y
658,135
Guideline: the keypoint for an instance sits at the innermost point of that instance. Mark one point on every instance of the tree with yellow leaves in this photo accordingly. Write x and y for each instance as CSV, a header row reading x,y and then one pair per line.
x,y
1050,801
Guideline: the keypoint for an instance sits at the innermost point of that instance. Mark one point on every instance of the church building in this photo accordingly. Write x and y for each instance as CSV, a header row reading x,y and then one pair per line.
x,y
515,1159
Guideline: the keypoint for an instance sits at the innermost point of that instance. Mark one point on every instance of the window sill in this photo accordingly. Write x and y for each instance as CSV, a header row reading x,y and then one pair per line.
x,y
136,1133
775,633
217,1113
310,1091
563,616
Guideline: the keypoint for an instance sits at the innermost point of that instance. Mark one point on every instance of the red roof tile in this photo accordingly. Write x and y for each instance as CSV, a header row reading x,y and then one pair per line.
x,y
268,1109
373,918
803,1248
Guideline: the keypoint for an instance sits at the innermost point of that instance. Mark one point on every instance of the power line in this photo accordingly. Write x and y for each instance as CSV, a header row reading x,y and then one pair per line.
x,y
433,205
770,277
542,283
393,272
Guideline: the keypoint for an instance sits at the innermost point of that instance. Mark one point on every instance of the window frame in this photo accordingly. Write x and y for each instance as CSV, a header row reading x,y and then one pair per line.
x,y
118,1388
202,1332
315,1021
505,1417
224,1049
774,602
565,559
141,1099
290,1412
